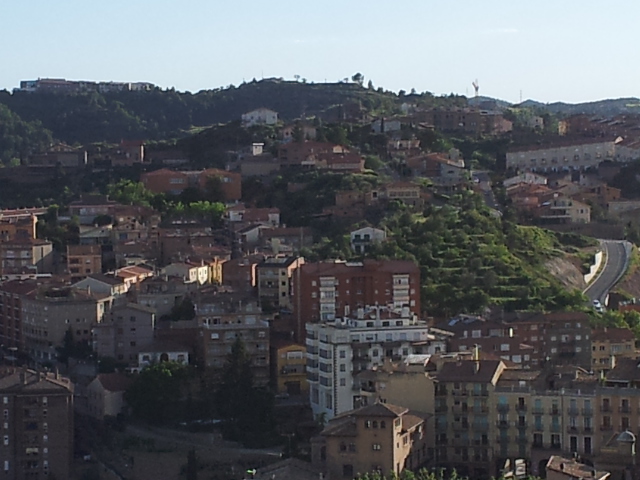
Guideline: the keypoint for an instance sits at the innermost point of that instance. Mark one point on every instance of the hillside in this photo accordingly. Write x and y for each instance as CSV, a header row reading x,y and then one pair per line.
x,y
608,107
164,114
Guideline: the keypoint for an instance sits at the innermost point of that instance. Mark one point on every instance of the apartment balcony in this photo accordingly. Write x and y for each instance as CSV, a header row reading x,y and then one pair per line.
x,y
480,393
624,409
460,426
460,393
502,424
502,408
606,408
460,409
573,429
573,411
538,427
521,408
522,426
554,411
480,427
587,412
537,411
459,442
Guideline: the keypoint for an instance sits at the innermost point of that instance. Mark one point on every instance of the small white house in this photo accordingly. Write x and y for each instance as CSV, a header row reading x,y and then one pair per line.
x,y
189,272
163,353
259,116
363,238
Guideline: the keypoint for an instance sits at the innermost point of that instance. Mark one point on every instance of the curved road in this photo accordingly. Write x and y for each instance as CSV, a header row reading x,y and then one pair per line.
x,y
617,254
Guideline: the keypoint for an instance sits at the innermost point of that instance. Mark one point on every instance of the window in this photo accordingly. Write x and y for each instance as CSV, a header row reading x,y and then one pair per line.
x,y
367,424
376,447
5,400
6,440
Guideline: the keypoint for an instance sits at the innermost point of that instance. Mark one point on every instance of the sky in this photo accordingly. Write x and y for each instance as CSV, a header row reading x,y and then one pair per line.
x,y
560,50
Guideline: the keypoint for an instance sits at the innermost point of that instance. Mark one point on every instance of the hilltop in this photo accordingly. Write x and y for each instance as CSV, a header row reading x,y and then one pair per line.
x,y
164,114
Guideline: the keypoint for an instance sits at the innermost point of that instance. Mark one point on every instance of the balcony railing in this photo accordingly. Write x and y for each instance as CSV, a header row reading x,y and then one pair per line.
x,y
573,411
605,408
537,411
460,409
480,427
521,407
587,412
501,424
461,425
624,409
554,411
502,407
459,393
572,429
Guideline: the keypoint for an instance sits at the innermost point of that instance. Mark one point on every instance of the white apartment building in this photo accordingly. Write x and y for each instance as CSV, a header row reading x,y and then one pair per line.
x,y
579,155
338,350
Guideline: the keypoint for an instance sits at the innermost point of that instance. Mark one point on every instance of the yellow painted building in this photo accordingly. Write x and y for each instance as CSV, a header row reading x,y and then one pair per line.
x,y
289,374
609,343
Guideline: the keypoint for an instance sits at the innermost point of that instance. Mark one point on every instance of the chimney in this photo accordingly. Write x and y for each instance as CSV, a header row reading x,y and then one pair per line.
x,y
562,467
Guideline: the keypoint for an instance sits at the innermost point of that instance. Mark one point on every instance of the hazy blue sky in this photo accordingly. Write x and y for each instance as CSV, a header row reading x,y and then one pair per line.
x,y
570,50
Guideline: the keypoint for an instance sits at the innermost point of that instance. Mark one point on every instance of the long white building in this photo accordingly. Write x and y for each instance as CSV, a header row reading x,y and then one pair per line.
x,y
338,350
583,154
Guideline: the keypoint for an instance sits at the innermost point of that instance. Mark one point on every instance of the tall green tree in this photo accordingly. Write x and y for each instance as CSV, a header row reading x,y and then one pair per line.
x,y
156,393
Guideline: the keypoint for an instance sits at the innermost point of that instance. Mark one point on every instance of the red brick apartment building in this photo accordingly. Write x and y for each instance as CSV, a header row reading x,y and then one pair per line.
x,y
325,290
174,182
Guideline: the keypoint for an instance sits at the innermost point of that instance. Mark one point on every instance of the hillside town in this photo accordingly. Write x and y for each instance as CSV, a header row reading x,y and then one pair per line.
x,y
292,305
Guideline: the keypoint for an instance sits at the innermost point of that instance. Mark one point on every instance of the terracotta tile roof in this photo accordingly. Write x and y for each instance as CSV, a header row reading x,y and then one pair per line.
x,y
572,468
114,382
33,382
379,410
19,287
626,370
612,334
465,371
289,469
409,422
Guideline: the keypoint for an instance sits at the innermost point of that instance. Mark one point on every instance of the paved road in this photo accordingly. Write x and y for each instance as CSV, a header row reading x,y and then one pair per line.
x,y
617,254
482,179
